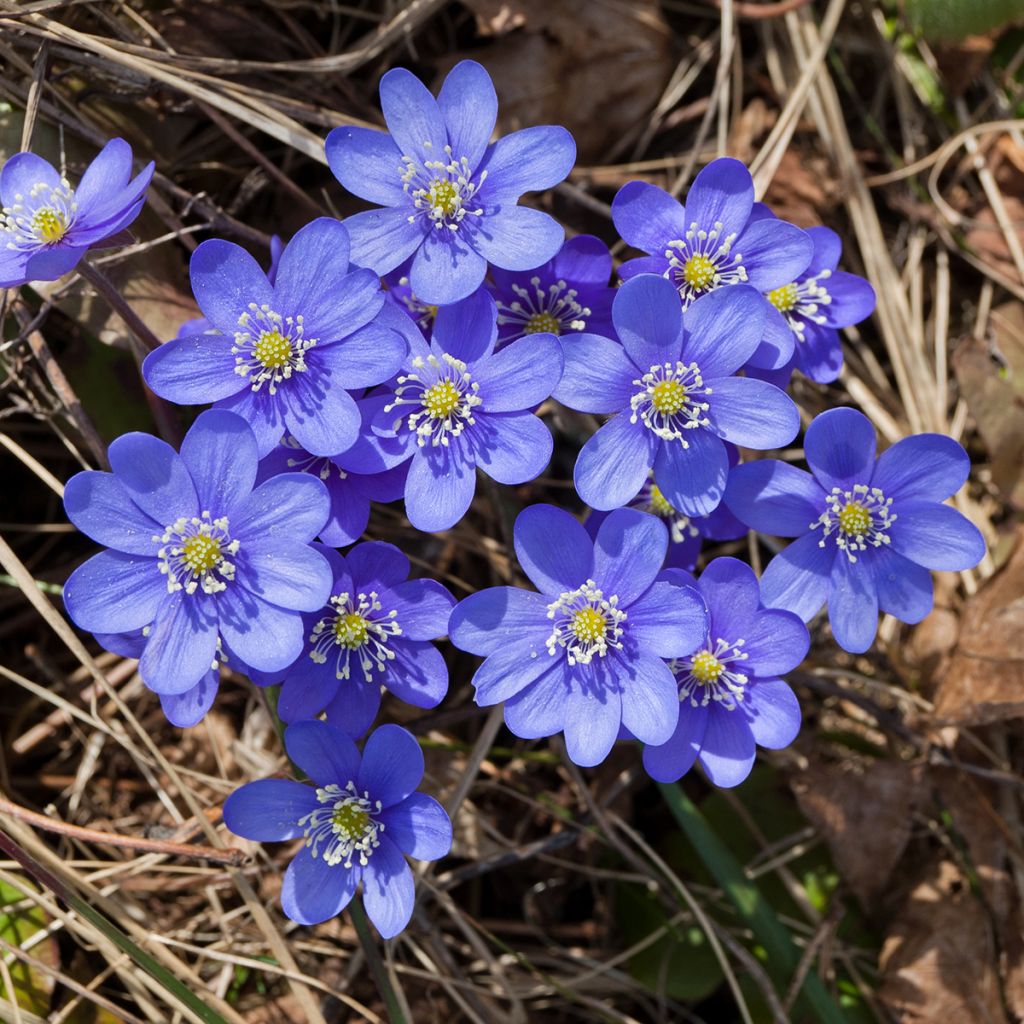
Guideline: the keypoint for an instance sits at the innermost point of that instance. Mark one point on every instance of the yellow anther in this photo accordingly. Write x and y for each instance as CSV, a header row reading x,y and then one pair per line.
x,y
350,630
660,504
273,349
699,272
50,225
589,624
541,323
444,196
706,668
854,519
668,397
350,821
201,553
441,399
785,298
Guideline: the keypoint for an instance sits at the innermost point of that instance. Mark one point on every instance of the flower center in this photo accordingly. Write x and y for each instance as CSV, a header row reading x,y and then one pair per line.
x,y
444,395
666,401
703,261
345,826
857,518
660,504
43,217
650,499
355,627
801,301
539,310
442,191
586,624
268,347
709,675
195,554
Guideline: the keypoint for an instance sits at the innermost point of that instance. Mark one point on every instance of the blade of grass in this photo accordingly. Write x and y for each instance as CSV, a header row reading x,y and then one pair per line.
x,y
752,907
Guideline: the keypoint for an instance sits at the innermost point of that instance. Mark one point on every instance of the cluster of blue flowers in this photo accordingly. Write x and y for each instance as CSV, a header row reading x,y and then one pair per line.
x,y
329,391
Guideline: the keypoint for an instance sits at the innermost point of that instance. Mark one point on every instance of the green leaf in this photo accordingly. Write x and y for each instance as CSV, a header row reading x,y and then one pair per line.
x,y
954,19
18,924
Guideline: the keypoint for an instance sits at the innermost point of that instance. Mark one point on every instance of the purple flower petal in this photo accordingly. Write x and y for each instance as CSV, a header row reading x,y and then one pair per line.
x,y
115,593
99,505
723,329
722,194
647,217
904,588
936,536
775,253
776,642
674,758
370,355
669,621
852,604
727,748
438,490
598,375
925,467
511,447
489,620
530,160
412,116
517,237
263,635
777,344
521,375
381,240
445,268
323,752
182,645
313,892
320,414
155,476
797,578
592,720
614,464
539,710
692,479
469,107
648,319
774,497
772,712
840,448
219,452
583,260
226,280
388,891
512,668
751,413
21,172
419,827
828,248
262,411
377,563
650,698
629,551
269,810
423,608
418,675
187,709
367,163
820,354
193,369
50,264
467,329
292,506
308,688
286,573
644,265
353,707
553,549
392,765
853,299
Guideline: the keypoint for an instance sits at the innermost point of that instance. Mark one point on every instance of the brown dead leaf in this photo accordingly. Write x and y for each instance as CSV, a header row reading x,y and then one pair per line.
x,y
938,960
985,679
803,189
596,66
865,817
960,63
986,238
998,409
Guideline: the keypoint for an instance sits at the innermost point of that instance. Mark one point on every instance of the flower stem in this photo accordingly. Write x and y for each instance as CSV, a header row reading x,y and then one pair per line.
x,y
376,963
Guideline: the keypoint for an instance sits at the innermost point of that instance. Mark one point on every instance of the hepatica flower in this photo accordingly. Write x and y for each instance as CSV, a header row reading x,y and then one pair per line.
x,y
731,698
868,530
567,293
372,632
448,197
287,354
351,493
458,406
198,558
46,226
715,241
359,820
586,655
816,304
672,387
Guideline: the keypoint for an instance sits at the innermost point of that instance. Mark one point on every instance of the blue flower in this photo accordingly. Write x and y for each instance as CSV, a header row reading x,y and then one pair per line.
x,y
685,533
198,558
47,226
814,306
730,695
373,631
448,197
671,383
350,492
360,819
288,353
586,655
567,293
399,292
459,406
868,530
720,238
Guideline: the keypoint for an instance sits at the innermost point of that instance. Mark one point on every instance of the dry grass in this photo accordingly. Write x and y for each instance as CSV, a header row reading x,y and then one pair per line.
x,y
530,919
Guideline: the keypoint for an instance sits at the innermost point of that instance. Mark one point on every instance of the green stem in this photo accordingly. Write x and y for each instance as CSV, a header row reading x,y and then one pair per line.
x,y
376,963
752,907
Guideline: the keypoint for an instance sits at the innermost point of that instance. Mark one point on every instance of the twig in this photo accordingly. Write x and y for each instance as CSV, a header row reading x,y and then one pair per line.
x,y
119,304
231,855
